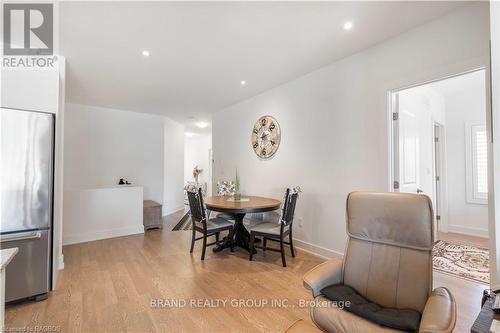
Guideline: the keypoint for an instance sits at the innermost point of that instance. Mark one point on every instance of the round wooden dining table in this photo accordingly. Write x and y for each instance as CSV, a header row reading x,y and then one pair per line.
x,y
238,209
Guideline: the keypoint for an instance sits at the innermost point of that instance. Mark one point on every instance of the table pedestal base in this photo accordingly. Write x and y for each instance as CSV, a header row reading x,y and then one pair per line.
x,y
241,236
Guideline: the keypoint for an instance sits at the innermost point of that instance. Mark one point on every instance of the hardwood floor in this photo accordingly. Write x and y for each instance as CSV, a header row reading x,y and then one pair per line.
x,y
467,295
463,239
108,286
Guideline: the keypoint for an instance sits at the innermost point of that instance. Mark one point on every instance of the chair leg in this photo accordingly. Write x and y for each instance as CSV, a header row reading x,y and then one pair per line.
x,y
250,247
217,237
204,247
292,248
192,241
264,243
282,248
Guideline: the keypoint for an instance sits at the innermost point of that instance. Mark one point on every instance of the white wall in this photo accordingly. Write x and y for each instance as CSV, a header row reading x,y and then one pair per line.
x,y
174,167
461,108
103,145
196,152
16,85
334,122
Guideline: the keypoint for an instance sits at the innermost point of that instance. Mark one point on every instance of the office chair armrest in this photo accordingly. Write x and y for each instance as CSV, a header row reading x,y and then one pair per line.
x,y
323,275
439,314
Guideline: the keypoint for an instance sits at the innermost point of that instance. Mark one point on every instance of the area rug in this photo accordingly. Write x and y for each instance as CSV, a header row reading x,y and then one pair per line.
x,y
464,261
183,224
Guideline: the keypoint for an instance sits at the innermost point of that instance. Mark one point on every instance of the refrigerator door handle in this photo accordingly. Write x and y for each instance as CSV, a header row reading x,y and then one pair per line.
x,y
20,236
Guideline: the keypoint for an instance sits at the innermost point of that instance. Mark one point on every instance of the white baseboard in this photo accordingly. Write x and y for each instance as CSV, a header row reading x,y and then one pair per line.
x,y
167,211
102,234
316,250
61,262
471,231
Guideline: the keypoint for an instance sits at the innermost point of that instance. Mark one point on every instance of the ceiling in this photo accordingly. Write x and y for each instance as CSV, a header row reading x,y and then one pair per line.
x,y
201,51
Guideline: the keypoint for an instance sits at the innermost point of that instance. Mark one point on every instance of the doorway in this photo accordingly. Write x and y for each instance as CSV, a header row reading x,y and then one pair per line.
x,y
439,148
418,119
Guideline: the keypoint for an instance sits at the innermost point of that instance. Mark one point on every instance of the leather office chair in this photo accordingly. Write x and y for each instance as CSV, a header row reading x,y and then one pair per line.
x,y
388,261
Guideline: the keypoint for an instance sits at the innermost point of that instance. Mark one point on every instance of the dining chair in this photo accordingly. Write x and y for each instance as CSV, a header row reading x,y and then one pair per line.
x,y
203,187
277,229
202,224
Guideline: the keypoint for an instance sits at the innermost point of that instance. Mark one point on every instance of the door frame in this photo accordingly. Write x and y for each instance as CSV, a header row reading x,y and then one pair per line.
x,y
392,107
440,184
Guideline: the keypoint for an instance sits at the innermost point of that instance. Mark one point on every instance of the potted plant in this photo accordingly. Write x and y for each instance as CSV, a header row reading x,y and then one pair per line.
x,y
237,193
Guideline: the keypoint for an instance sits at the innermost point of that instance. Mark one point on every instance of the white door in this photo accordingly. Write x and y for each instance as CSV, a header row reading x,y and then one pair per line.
x,y
413,148
409,154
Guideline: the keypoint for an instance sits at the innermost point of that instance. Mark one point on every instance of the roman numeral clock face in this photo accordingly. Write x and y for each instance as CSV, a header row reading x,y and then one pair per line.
x,y
266,136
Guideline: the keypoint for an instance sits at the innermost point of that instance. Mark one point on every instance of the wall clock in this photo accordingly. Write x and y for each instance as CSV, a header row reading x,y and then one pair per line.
x,y
266,135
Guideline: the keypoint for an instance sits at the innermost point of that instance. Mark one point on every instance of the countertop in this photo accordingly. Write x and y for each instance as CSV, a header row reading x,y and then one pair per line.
x,y
104,187
6,256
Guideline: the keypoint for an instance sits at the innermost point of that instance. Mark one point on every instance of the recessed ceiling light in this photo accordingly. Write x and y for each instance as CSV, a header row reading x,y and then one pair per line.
x,y
146,53
189,134
348,25
243,82
201,124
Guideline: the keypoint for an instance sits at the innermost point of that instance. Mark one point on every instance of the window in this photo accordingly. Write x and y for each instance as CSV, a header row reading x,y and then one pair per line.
x,y
477,163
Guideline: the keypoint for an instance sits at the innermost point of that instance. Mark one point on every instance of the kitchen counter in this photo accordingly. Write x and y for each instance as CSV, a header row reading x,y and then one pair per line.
x,y
102,212
6,256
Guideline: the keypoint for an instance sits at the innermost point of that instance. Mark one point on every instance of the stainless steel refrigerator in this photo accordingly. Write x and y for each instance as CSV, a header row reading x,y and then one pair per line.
x,y
26,197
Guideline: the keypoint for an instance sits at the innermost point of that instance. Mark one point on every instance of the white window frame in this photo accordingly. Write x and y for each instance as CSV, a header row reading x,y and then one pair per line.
x,y
473,196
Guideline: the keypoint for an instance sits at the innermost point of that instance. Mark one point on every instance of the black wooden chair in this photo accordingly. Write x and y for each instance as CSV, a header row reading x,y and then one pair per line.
x,y
278,229
201,222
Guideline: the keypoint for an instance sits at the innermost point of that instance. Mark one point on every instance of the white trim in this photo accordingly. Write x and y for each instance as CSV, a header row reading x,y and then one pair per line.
x,y
442,210
165,212
103,234
471,231
61,262
393,105
493,110
316,250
